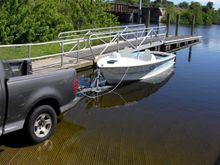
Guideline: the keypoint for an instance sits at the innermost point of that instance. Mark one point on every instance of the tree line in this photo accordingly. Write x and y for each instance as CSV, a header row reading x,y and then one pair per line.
x,y
205,14
25,21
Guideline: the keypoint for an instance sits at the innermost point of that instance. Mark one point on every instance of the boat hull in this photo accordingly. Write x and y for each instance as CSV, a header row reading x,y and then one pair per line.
x,y
143,72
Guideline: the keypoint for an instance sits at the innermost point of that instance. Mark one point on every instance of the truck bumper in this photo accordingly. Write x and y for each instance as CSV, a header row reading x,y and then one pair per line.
x,y
70,105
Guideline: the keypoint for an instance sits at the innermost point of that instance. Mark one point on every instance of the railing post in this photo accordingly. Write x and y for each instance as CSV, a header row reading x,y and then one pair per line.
x,y
89,43
110,34
136,39
192,25
158,28
29,52
62,53
77,60
168,25
177,24
118,43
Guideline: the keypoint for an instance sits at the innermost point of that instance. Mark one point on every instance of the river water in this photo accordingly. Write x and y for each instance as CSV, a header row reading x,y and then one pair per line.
x,y
175,120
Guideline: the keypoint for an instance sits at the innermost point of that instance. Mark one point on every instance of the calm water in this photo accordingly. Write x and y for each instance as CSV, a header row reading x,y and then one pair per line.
x,y
173,121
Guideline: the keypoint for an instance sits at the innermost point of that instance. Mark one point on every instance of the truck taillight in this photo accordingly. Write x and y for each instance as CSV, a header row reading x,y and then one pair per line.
x,y
75,85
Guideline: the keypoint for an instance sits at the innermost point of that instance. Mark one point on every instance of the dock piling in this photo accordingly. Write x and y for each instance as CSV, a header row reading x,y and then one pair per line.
x,y
140,12
148,19
168,25
192,25
177,24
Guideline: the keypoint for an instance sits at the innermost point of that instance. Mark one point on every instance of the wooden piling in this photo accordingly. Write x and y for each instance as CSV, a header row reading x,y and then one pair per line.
x,y
177,24
192,25
148,19
140,12
168,25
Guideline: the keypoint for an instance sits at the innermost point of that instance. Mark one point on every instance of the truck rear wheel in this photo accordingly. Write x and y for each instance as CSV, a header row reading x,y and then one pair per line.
x,y
41,123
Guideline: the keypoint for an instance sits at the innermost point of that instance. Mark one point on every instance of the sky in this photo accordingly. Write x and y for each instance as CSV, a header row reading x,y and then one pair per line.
x,y
203,2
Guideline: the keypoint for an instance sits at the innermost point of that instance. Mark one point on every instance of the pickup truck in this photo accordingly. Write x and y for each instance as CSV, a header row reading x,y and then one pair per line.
x,y
32,102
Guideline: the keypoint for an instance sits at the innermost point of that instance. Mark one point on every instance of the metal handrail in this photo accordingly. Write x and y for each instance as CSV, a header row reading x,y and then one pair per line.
x,y
106,36
96,29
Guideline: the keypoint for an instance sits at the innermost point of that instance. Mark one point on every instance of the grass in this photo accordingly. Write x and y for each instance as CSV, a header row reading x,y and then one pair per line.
x,y
11,53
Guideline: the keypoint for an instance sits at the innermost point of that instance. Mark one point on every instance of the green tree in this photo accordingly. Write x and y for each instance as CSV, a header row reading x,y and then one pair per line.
x,y
23,21
210,5
195,5
89,15
184,5
31,21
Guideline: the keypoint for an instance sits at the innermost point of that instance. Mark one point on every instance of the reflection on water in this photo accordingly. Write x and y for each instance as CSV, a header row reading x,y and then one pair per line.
x,y
130,93
190,54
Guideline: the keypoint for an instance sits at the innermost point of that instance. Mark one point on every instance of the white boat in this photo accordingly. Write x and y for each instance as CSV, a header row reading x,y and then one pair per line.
x,y
130,65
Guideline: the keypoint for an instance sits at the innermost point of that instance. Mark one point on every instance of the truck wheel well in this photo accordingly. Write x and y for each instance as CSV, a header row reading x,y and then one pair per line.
x,y
52,102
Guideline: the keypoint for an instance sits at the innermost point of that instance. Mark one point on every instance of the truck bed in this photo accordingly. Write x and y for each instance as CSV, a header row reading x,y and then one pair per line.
x,y
15,68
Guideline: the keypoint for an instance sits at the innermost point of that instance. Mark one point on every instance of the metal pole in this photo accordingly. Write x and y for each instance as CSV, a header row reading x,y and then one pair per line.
x,y
62,50
29,52
136,39
77,60
132,17
118,43
193,25
168,25
148,18
177,24
89,44
140,11
91,8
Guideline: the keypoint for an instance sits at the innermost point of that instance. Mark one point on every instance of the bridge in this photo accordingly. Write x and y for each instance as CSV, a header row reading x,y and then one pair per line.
x,y
129,13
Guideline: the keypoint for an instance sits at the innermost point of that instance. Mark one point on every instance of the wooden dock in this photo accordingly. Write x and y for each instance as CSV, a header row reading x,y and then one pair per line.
x,y
81,49
86,60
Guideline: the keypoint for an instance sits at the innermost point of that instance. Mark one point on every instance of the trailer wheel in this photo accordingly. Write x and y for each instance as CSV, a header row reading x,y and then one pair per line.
x,y
41,123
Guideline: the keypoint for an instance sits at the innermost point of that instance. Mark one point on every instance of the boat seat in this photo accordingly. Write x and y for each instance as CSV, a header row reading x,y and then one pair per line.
x,y
126,52
147,56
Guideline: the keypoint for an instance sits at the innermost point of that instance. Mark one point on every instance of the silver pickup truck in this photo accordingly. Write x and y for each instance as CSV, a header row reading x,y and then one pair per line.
x,y
33,102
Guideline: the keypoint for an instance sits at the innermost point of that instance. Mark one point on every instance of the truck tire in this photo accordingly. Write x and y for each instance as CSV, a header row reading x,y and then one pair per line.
x,y
41,123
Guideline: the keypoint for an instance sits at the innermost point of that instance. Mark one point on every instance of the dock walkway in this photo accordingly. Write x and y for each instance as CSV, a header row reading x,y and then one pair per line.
x,y
81,48
171,43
